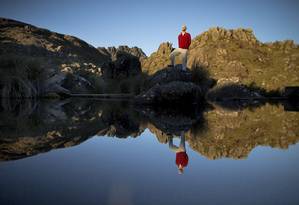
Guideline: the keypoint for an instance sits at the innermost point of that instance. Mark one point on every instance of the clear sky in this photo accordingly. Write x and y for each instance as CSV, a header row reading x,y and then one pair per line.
x,y
148,23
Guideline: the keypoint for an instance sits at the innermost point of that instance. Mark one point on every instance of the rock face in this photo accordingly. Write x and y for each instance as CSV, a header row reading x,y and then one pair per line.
x,y
236,56
112,51
157,60
169,74
125,61
53,54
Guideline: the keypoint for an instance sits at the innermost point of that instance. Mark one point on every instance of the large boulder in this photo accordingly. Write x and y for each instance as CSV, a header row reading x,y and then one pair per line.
x,y
173,86
169,74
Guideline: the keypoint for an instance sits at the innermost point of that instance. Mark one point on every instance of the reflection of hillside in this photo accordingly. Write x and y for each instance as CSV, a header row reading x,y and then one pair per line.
x,y
46,125
58,124
235,134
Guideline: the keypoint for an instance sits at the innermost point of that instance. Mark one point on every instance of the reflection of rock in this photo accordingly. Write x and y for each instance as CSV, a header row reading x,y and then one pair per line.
x,y
235,134
121,124
161,136
172,121
58,124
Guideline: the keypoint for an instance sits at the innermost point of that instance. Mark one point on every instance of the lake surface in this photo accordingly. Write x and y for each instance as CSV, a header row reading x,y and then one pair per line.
x,y
77,151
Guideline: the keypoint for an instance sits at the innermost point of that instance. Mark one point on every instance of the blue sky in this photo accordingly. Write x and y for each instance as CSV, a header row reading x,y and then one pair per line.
x,y
148,23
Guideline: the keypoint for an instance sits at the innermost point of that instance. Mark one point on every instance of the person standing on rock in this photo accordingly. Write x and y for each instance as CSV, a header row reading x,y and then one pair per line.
x,y
184,40
181,155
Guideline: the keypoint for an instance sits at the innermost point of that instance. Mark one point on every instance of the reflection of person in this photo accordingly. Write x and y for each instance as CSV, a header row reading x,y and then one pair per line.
x,y
181,155
184,39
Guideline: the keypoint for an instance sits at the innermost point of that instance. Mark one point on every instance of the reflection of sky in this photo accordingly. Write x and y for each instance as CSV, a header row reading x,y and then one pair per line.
x,y
148,23
141,170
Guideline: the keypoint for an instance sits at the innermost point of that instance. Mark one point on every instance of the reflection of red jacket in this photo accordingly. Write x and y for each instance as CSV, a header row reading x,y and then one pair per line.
x,y
184,40
181,159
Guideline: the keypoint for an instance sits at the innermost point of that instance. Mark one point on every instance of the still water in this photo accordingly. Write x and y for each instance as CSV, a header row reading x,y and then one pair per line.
x,y
106,152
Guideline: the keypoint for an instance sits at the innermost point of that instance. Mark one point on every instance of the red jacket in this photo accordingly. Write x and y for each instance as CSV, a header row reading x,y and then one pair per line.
x,y
184,40
181,159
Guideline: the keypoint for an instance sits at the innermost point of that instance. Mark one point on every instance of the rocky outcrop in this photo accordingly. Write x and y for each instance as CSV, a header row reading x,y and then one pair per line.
x,y
236,56
112,51
157,60
167,75
125,61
